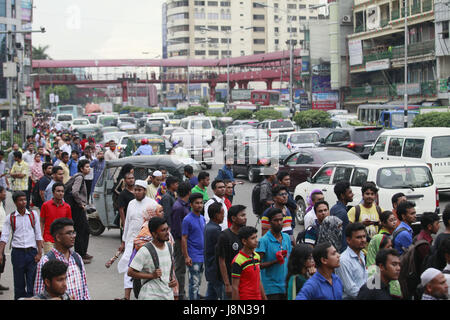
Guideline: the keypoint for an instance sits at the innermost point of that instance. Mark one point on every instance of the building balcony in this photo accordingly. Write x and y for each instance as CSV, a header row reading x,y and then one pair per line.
x,y
418,91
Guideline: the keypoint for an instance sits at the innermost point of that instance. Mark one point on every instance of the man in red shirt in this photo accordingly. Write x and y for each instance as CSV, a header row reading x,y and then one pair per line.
x,y
245,271
52,210
83,142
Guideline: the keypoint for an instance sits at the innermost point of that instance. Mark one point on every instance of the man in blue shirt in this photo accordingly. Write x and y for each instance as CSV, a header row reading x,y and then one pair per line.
x,y
324,284
344,195
402,237
144,149
189,174
73,163
193,243
352,270
274,249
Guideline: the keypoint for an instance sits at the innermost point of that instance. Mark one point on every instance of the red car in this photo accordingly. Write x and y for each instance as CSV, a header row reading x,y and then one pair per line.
x,y
305,163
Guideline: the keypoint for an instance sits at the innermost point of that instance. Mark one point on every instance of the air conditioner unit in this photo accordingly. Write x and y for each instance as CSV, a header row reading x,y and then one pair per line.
x,y
347,19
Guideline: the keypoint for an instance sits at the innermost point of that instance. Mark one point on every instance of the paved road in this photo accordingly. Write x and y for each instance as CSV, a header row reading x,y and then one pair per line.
x,y
107,284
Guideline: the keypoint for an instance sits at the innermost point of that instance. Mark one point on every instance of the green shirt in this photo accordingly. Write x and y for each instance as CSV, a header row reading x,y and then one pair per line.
x,y
202,191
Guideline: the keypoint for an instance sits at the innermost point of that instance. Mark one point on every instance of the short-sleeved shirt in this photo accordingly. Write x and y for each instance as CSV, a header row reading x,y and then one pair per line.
x,y
274,277
193,181
43,182
124,199
212,233
371,214
194,227
202,191
228,246
287,221
20,184
247,270
51,211
152,191
156,289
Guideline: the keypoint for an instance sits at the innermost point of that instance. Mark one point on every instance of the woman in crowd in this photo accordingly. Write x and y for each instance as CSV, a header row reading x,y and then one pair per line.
x,y
301,267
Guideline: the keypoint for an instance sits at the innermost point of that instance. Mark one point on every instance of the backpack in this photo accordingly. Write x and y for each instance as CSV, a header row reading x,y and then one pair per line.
x,y
258,207
12,220
301,236
69,184
412,266
51,256
358,211
137,283
35,194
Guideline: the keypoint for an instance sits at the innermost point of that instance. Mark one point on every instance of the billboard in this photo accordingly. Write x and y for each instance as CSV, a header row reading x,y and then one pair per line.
x,y
355,52
382,64
321,84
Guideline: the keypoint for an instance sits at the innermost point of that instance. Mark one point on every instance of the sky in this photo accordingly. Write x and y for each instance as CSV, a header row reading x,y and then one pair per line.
x,y
99,29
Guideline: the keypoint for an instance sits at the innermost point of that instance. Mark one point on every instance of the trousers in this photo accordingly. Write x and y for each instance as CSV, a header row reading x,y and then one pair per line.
x,y
24,271
180,268
81,226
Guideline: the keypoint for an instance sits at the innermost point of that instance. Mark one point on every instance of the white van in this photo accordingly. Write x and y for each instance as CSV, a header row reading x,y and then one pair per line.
x,y
199,125
411,178
429,145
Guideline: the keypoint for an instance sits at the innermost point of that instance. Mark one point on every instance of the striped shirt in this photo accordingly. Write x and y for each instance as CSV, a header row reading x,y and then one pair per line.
x,y
246,269
287,221
76,279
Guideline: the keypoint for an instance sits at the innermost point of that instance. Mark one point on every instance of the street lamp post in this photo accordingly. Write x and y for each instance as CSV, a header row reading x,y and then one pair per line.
x,y
406,66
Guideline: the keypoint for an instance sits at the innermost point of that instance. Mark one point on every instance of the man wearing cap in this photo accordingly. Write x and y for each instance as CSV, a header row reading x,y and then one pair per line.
x,y
144,149
133,223
152,188
434,285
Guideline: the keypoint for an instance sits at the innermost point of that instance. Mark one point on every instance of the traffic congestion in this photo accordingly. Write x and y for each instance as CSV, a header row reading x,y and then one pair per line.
x,y
208,197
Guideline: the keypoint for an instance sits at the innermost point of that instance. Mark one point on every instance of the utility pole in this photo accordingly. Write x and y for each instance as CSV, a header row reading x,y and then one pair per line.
x,y
406,66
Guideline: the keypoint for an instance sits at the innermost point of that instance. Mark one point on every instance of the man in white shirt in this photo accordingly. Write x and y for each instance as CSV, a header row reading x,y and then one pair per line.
x,y
26,242
218,187
67,147
310,216
133,224
111,153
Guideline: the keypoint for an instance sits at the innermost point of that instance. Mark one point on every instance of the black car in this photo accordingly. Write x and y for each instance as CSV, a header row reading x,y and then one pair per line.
x,y
252,157
357,139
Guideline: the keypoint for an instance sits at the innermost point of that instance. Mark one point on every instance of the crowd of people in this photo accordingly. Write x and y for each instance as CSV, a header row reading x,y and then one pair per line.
x,y
173,228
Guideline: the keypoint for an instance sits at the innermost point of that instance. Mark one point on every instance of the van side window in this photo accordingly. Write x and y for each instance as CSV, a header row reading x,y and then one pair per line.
x,y
380,145
439,147
342,173
413,148
395,147
359,177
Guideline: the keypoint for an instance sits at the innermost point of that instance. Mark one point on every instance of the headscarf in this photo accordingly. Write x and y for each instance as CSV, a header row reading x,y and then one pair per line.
x,y
331,231
373,248
309,200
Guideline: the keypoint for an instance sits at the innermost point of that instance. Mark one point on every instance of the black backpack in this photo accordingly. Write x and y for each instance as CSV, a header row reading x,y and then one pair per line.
x,y
258,208
137,283
35,195
51,256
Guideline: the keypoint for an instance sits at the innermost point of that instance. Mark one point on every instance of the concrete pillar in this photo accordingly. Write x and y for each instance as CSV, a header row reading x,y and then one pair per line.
x,y
212,91
269,84
124,92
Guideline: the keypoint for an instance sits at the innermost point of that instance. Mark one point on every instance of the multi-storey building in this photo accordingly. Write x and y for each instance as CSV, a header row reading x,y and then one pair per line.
x,y
218,29
377,52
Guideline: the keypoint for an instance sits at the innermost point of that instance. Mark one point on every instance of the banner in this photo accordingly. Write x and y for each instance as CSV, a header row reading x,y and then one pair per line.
x,y
373,18
326,96
355,52
411,89
321,84
378,65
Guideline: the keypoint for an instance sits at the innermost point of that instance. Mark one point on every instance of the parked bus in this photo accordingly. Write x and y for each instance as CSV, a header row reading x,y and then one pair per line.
x,y
372,112
75,110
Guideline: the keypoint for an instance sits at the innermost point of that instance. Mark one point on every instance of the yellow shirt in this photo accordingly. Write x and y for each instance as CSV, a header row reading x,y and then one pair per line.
x,y
371,214
152,191
66,171
20,184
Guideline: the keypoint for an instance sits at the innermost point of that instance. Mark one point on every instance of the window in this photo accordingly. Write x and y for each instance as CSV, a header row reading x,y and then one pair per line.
x,y
292,160
304,158
324,175
200,52
439,147
258,29
445,29
294,30
291,6
215,28
225,28
213,3
395,147
359,177
276,29
302,17
199,28
282,138
413,148
213,16
225,40
302,6
225,3
292,18
213,52
277,41
226,53
258,17
259,41
340,136
404,177
225,15
199,3
380,145
342,173
199,15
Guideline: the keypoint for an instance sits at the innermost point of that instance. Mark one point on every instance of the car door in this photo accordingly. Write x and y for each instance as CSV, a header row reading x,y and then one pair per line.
x,y
302,168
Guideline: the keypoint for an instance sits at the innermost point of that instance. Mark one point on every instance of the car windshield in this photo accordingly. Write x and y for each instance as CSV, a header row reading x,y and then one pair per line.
x,y
80,122
304,138
367,135
336,155
64,117
404,177
108,121
200,124
274,149
130,120
281,124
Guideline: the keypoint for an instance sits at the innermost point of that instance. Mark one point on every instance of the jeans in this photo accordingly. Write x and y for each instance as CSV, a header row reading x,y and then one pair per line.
x,y
195,279
180,268
24,271
215,290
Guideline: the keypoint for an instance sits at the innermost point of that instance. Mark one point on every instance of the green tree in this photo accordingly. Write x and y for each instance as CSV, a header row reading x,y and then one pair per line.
x,y
432,119
262,115
62,92
312,119
40,53
240,114
191,111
